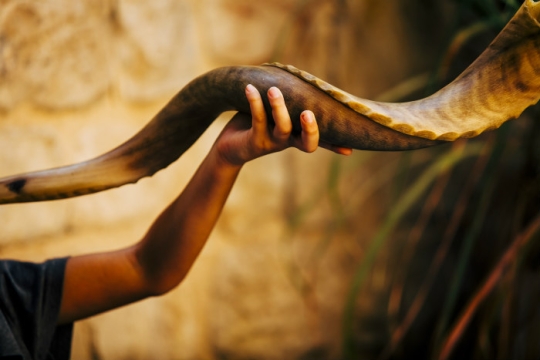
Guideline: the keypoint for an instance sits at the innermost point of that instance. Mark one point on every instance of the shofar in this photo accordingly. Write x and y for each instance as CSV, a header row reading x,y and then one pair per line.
x,y
498,86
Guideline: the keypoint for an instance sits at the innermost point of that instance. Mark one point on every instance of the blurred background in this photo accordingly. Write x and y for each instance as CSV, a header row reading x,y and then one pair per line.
x,y
423,254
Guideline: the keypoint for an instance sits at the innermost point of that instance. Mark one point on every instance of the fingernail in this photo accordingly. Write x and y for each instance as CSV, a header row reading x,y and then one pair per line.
x,y
250,89
307,116
273,92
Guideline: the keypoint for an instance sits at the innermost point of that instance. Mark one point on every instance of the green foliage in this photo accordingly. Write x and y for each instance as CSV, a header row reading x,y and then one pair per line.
x,y
452,214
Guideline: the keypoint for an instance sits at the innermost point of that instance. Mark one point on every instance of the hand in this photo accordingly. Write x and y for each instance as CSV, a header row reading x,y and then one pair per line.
x,y
244,139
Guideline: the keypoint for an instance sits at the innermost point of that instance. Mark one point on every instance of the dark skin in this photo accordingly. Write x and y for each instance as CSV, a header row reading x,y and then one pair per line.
x,y
100,282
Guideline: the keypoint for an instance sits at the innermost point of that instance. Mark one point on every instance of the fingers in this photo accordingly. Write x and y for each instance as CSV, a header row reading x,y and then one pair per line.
x,y
310,132
337,149
282,120
258,113
281,136
310,136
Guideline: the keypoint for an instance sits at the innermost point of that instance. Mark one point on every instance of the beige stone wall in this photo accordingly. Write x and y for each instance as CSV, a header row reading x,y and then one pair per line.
x,y
79,77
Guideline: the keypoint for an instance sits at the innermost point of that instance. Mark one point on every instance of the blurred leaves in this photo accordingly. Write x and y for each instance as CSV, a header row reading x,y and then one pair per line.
x,y
460,226
396,213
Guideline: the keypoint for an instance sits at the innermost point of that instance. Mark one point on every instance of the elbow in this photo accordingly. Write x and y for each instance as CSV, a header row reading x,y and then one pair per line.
x,y
155,277
158,286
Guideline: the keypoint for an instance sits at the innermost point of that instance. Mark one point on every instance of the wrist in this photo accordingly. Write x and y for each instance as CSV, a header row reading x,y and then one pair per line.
x,y
222,163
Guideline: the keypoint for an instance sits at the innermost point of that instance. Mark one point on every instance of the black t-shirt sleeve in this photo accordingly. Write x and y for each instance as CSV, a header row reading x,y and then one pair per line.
x,y
30,297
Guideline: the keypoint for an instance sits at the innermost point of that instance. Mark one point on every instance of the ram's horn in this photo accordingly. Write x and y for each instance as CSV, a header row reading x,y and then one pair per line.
x,y
498,86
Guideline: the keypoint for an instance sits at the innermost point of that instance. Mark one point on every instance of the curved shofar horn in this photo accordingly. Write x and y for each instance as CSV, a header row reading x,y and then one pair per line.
x,y
498,86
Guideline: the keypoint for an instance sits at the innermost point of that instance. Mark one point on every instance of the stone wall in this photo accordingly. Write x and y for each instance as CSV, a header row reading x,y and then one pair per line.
x,y
79,77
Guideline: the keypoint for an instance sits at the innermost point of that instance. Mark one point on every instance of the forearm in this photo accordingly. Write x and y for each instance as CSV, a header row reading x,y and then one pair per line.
x,y
176,238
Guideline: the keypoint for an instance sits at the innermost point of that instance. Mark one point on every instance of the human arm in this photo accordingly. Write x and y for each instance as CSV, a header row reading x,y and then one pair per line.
x,y
99,282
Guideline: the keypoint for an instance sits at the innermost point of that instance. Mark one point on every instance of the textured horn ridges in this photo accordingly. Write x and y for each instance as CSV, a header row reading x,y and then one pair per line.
x,y
502,82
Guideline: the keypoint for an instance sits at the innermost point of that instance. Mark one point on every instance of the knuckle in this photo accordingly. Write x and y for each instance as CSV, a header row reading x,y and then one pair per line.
x,y
311,131
260,143
282,135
